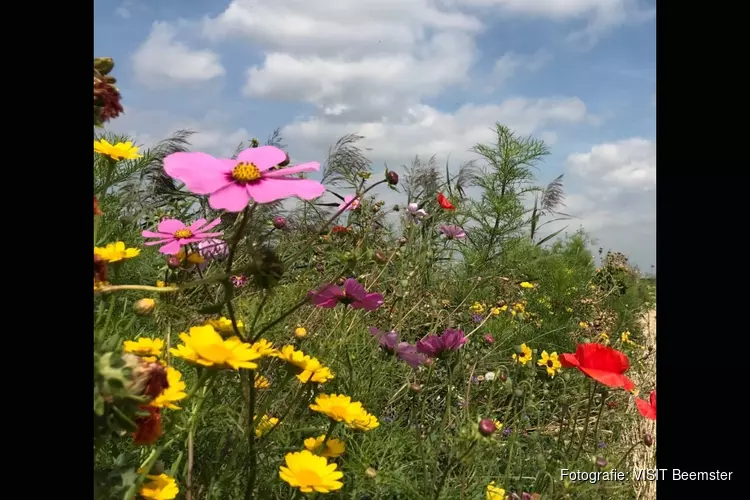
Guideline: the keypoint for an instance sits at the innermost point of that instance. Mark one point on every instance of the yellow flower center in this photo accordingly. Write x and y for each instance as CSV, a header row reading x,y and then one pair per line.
x,y
183,233
245,172
307,477
550,363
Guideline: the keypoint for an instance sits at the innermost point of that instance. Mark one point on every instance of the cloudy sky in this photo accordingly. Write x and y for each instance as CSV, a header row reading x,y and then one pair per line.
x,y
414,77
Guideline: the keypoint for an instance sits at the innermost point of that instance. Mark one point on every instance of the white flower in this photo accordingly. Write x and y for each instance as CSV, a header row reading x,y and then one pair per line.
x,y
489,376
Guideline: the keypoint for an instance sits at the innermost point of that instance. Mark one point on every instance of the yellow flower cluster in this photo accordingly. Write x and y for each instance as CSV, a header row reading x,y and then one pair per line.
x,y
342,409
311,370
264,425
333,447
116,252
477,308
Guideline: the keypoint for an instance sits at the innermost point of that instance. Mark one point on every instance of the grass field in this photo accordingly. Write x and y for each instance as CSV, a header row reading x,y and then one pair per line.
x,y
264,346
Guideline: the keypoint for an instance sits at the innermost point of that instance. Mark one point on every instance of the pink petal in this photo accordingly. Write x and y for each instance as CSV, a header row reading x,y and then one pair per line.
x,y
195,225
196,228
232,197
371,302
158,242
152,234
170,226
354,290
203,236
201,173
263,157
171,248
270,190
312,166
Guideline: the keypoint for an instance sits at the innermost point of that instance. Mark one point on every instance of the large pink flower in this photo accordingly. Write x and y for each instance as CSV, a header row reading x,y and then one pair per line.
x,y
231,184
174,234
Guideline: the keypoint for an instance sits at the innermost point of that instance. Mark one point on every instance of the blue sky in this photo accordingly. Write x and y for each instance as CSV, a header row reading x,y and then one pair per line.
x,y
412,76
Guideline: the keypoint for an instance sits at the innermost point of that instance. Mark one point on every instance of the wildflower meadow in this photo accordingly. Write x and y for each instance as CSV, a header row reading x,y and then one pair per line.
x,y
269,328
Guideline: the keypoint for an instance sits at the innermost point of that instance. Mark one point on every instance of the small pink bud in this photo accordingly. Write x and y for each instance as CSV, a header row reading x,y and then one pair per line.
x,y
487,427
489,338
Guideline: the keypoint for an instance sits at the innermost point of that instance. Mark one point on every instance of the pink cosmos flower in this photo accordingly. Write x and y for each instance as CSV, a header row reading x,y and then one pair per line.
x,y
348,198
453,232
231,184
352,294
174,234
405,351
434,345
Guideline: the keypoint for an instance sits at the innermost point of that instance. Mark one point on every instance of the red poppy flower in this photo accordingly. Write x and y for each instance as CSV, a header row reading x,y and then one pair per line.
x,y
444,202
149,427
647,408
600,362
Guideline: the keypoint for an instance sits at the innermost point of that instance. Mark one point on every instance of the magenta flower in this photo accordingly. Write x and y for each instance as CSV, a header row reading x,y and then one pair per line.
x,y
174,234
231,184
453,232
405,351
434,345
352,294
415,213
348,198
239,280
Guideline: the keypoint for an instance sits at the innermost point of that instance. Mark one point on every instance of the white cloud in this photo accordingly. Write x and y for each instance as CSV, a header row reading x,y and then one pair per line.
x,y
626,164
426,131
615,197
510,63
162,61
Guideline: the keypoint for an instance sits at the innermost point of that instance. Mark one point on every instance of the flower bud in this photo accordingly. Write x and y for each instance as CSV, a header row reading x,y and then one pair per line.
x,y
396,208
144,307
103,65
518,392
601,462
402,241
489,338
100,269
279,222
415,387
380,258
648,439
487,427
300,332
391,177
286,161
320,267
489,376
254,143
173,262
371,473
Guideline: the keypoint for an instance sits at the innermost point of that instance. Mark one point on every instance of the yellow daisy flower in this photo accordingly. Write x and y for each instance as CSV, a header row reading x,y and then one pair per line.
x,y
204,346
294,357
118,151
161,487
477,308
526,284
115,252
494,492
265,424
300,332
261,382
264,348
319,375
175,391
496,310
583,324
551,362
525,356
604,338
341,409
144,346
224,325
333,448
309,473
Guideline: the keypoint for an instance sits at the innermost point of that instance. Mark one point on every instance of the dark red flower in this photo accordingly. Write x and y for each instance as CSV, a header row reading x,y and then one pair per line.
x,y
149,427
338,229
444,202
601,363
647,408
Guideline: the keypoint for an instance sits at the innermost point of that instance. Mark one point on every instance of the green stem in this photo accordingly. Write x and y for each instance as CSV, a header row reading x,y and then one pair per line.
x,y
598,419
251,443
441,483
619,462
586,420
331,427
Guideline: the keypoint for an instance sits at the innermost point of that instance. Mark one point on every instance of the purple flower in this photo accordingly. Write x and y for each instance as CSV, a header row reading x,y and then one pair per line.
x,y
415,213
453,232
507,431
239,280
433,345
279,222
387,340
409,355
477,318
213,249
405,351
453,339
352,294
